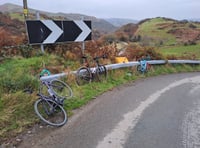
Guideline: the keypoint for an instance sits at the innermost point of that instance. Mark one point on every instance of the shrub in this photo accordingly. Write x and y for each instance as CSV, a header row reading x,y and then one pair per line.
x,y
17,82
192,26
5,39
26,51
136,52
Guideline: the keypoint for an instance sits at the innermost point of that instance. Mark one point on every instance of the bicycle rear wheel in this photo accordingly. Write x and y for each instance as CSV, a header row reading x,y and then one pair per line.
x,y
61,89
101,73
50,112
148,66
83,76
139,68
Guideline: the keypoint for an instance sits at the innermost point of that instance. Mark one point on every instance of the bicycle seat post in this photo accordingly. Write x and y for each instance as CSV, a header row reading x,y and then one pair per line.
x,y
96,59
85,61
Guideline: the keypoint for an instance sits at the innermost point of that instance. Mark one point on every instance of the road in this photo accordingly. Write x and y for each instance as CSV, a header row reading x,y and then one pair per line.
x,y
156,112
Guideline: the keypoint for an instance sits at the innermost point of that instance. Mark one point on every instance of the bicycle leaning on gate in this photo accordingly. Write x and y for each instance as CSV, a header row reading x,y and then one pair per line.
x,y
86,74
49,106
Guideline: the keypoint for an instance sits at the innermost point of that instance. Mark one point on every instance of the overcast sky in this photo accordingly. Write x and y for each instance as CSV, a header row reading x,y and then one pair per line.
x,y
134,9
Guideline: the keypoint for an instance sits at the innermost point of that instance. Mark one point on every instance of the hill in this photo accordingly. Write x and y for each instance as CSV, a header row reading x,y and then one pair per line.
x,y
99,25
169,32
160,31
10,8
12,31
149,32
119,22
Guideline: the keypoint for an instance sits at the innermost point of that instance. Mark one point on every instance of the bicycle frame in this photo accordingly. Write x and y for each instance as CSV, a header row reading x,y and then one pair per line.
x,y
46,98
94,69
51,93
86,74
143,64
49,106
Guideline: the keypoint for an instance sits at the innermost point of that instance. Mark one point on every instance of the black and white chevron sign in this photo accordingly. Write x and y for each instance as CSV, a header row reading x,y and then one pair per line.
x,y
50,31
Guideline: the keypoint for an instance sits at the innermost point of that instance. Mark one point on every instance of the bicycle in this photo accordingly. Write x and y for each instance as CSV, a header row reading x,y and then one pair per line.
x,y
143,66
86,74
49,108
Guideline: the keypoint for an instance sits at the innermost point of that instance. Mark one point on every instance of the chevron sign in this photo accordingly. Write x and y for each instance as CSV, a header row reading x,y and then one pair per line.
x,y
50,31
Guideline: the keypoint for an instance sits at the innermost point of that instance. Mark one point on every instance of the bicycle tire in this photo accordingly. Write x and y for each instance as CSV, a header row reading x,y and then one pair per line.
x,y
50,112
139,68
101,72
83,76
61,89
148,66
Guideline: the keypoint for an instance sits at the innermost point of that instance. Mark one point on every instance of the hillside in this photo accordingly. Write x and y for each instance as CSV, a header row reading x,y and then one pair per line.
x,y
160,31
149,32
16,11
170,32
156,31
10,8
12,31
119,22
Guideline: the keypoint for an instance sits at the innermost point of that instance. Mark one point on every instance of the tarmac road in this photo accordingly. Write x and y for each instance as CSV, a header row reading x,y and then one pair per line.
x,y
157,112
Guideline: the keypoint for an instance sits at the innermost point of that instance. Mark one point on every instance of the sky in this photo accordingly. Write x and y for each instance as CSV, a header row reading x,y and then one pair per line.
x,y
128,9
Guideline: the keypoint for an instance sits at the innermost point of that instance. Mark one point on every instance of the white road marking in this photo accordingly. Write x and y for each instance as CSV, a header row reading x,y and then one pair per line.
x,y
119,134
191,123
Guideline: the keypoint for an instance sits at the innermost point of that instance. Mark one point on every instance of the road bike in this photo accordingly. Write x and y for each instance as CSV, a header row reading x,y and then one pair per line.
x,y
143,66
86,74
49,106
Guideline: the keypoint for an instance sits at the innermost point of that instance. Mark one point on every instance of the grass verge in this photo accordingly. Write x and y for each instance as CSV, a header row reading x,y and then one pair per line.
x,y
189,51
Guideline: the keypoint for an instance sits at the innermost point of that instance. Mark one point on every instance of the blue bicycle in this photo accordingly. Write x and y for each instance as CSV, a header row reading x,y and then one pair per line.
x,y
143,66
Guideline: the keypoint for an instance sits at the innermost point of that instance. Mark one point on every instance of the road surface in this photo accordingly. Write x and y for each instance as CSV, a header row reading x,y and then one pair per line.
x,y
157,112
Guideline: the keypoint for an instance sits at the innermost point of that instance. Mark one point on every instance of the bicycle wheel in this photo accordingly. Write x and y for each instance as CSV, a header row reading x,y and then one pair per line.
x,y
61,89
139,68
50,112
148,66
83,76
101,73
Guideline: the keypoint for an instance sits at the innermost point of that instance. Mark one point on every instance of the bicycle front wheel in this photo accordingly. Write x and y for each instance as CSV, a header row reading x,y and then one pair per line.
x,y
50,112
61,89
101,73
83,76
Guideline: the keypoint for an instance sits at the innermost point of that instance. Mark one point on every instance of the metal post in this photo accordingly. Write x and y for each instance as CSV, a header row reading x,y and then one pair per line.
x,y
25,9
38,18
83,43
83,47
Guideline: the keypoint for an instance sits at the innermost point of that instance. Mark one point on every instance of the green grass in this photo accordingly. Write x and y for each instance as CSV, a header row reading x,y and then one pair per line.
x,y
16,107
150,29
17,16
158,31
192,51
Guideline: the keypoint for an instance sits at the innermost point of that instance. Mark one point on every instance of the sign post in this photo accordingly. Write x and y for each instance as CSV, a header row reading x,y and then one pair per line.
x,y
25,9
38,18
83,43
